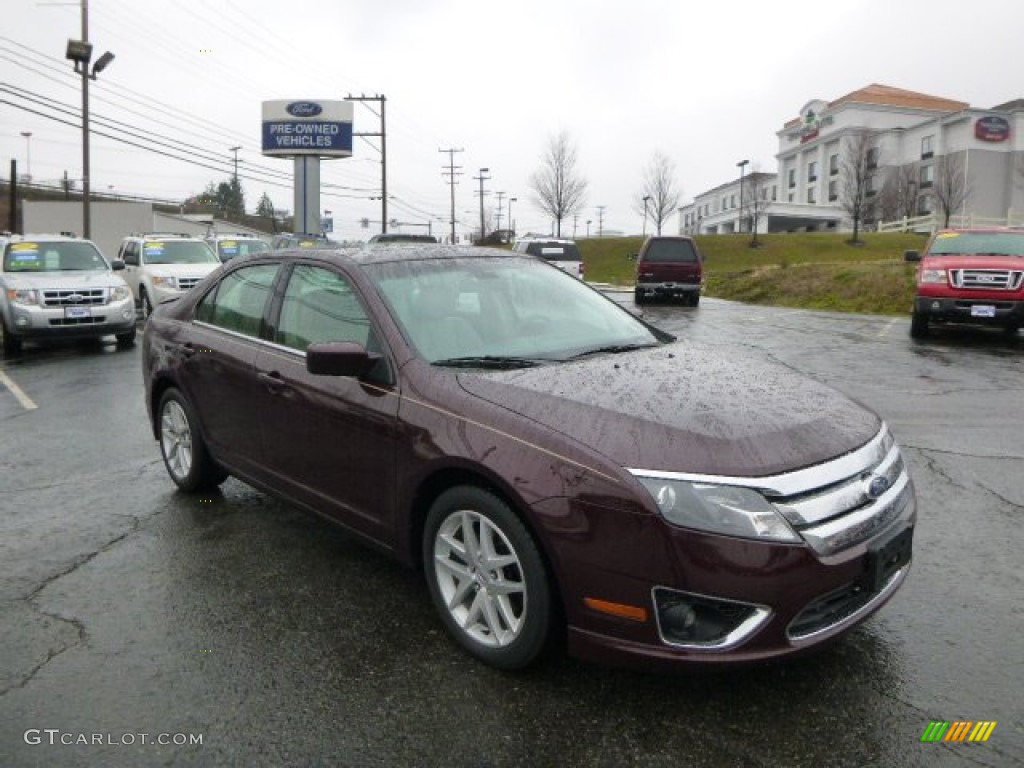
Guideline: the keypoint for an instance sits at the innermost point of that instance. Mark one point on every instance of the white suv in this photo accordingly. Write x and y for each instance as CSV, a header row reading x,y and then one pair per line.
x,y
55,286
163,266
564,254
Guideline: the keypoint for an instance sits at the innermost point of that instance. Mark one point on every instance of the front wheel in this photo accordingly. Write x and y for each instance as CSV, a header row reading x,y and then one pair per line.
x,y
147,305
185,455
126,339
638,296
918,325
12,344
486,578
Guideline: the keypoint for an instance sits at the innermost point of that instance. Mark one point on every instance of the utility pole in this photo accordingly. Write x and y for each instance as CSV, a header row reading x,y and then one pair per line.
x,y
575,219
235,150
600,219
501,197
481,178
383,154
451,173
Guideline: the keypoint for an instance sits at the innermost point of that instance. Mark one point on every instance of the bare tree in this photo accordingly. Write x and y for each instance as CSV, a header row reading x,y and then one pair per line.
x,y
754,202
659,195
558,188
898,198
951,188
859,163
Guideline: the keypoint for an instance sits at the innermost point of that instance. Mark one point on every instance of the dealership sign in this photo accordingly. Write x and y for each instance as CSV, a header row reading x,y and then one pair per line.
x,y
992,128
307,127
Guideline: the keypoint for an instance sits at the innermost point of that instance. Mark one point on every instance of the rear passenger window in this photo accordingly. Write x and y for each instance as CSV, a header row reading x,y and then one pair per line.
x,y
238,301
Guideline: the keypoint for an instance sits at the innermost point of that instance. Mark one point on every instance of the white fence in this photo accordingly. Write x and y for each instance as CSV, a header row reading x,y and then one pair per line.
x,y
930,222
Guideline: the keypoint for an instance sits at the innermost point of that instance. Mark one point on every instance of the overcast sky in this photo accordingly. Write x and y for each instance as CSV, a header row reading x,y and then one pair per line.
x,y
707,84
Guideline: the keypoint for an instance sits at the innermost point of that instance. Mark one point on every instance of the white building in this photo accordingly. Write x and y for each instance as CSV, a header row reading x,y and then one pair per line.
x,y
916,138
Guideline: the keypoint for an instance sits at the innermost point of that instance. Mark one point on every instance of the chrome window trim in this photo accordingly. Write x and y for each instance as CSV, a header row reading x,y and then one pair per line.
x,y
791,483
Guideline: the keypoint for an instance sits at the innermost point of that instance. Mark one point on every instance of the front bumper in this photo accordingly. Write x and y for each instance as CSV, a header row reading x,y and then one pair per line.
x,y
1001,312
35,322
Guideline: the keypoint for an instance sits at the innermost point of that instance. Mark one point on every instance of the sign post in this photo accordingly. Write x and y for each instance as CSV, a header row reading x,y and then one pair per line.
x,y
307,130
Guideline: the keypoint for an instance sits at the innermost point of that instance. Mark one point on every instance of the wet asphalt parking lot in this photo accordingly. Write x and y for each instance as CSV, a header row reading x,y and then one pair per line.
x,y
127,608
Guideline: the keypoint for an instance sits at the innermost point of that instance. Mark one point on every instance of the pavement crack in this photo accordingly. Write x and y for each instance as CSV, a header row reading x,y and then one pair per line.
x,y
130,474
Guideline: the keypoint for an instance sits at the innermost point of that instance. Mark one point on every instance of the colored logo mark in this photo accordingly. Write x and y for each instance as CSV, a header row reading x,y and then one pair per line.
x,y
958,730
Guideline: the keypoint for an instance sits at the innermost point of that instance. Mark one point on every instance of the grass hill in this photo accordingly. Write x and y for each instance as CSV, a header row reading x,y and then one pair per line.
x,y
813,270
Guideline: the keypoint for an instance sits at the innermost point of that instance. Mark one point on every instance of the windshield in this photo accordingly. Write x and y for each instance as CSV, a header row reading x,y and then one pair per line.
x,y
999,243
670,249
554,251
228,249
514,307
177,252
39,256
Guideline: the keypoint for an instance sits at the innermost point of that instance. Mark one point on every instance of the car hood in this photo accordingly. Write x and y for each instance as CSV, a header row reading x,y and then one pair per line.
x,y
183,270
98,278
973,261
686,408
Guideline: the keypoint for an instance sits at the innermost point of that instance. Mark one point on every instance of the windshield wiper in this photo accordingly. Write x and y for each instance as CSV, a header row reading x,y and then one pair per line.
x,y
611,349
488,361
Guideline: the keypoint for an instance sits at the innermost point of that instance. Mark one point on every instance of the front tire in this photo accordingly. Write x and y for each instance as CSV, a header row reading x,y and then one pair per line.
x,y
918,325
12,344
147,305
126,339
638,296
184,452
486,577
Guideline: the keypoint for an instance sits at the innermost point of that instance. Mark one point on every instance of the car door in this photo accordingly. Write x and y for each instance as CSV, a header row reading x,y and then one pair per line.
x,y
129,254
220,350
329,440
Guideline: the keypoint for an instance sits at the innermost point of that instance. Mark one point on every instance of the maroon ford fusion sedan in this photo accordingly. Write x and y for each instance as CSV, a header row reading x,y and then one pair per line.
x,y
549,460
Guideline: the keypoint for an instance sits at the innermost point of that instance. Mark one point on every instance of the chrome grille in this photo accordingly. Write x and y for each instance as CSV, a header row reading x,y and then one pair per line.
x,y
187,283
987,279
66,321
84,297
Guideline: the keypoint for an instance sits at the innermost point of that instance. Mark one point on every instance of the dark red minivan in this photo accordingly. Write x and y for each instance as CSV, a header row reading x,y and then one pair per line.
x,y
555,466
669,267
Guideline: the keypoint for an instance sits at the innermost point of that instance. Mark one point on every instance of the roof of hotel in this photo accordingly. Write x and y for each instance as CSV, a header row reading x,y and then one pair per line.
x,y
894,97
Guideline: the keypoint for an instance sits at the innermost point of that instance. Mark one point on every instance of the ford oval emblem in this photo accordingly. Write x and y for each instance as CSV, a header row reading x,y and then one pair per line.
x,y
877,485
304,109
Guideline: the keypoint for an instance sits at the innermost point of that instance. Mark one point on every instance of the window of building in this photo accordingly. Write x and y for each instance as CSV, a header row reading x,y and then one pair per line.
x,y
872,158
812,171
812,197
789,197
927,147
791,176
775,192
732,201
927,176
833,191
925,204
833,165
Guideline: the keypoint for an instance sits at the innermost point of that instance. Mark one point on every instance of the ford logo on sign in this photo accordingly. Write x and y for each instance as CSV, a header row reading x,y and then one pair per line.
x,y
304,109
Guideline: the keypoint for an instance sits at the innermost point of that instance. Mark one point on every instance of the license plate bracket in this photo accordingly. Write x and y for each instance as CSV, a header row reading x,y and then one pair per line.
x,y
983,310
77,313
887,557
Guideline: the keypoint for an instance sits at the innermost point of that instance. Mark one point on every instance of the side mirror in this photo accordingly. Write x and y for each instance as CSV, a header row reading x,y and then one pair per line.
x,y
117,265
911,255
339,358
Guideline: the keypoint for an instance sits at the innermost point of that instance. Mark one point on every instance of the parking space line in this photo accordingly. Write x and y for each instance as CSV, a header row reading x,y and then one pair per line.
x,y
886,327
19,394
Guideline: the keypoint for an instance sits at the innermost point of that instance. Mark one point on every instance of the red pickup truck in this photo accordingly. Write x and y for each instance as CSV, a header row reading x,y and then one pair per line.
x,y
972,276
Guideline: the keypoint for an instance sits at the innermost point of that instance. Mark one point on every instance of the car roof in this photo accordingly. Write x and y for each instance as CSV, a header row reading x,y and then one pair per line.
x,y
386,252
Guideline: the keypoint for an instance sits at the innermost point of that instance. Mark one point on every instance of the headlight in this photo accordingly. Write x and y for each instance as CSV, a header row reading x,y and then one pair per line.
x,y
119,293
933,276
725,509
22,296
166,281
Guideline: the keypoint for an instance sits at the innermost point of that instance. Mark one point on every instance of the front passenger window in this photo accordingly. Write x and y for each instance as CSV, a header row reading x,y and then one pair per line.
x,y
238,302
320,305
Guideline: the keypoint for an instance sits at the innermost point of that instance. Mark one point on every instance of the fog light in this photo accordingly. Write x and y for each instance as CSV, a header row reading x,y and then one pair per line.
x,y
128,313
22,321
697,621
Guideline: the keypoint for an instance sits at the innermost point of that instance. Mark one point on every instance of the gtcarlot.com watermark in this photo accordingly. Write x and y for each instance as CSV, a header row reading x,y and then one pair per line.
x,y
55,736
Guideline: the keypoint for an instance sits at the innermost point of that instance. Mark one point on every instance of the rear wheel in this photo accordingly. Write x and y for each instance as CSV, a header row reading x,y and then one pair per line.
x,y
638,296
185,455
694,299
486,578
918,325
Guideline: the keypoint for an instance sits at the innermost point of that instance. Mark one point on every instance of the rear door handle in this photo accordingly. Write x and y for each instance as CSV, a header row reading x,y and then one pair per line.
x,y
272,381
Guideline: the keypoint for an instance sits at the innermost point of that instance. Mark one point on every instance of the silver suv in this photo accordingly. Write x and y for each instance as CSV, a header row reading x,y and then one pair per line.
x,y
54,286
160,266
230,246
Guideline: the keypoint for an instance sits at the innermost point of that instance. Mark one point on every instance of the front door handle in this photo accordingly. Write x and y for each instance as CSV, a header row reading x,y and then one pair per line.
x,y
272,381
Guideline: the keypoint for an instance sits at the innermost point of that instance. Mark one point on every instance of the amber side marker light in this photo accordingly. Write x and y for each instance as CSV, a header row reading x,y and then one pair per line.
x,y
632,612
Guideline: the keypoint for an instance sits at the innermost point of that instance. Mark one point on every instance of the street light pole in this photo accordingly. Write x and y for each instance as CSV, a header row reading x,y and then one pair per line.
x,y
481,178
646,200
28,154
739,218
511,228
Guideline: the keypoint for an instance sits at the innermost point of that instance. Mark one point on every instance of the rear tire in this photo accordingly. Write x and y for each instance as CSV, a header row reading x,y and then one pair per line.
x,y
695,300
638,296
186,458
918,325
486,578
